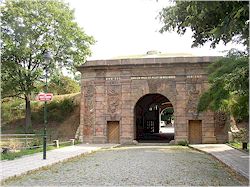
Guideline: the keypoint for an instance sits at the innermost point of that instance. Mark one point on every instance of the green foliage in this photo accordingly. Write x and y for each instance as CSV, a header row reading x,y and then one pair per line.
x,y
12,110
28,29
63,85
228,92
167,114
58,110
36,141
168,111
14,155
241,135
217,21
77,77
210,21
182,143
238,145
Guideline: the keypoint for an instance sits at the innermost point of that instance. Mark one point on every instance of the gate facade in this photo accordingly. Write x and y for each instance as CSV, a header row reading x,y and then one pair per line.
x,y
110,90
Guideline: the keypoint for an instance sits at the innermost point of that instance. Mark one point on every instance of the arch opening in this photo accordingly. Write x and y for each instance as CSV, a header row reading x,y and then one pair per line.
x,y
154,119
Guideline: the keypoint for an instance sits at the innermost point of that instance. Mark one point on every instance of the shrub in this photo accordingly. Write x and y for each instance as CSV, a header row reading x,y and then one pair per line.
x,y
63,85
57,110
15,144
37,141
241,135
183,142
11,110
37,116
67,106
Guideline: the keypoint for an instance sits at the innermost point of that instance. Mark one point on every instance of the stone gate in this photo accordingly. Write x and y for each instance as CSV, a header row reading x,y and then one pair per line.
x,y
111,89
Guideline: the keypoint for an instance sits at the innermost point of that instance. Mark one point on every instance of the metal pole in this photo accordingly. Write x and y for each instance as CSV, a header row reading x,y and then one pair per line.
x,y
45,117
26,141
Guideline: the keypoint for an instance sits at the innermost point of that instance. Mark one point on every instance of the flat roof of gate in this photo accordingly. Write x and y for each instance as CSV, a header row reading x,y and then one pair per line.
x,y
148,61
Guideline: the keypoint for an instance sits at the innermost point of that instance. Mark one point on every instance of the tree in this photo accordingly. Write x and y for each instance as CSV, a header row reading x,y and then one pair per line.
x,y
28,29
209,21
63,85
217,21
229,82
167,115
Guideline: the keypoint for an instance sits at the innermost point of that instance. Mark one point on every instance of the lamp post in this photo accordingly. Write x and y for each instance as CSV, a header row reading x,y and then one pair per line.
x,y
47,57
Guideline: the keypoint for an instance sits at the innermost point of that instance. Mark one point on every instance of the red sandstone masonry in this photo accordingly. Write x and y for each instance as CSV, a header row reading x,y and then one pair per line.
x,y
170,77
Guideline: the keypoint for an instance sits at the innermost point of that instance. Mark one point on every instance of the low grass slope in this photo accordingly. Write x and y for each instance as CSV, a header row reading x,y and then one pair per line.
x,y
63,116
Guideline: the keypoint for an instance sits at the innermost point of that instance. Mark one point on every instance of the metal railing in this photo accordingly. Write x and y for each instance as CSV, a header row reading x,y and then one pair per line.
x,y
28,141
18,141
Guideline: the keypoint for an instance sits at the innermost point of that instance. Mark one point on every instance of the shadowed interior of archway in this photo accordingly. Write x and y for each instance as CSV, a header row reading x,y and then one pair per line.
x,y
148,120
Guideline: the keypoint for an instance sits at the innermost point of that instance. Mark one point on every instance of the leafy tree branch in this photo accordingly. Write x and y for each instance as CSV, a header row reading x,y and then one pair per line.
x,y
212,21
29,28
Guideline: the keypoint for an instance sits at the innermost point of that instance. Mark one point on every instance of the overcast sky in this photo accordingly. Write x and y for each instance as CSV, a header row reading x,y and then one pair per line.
x,y
130,27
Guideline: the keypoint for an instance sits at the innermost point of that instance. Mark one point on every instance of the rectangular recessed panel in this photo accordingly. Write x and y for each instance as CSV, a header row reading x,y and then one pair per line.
x,y
195,131
113,132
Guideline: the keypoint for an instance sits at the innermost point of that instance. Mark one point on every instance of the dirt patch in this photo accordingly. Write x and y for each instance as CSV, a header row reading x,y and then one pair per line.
x,y
68,128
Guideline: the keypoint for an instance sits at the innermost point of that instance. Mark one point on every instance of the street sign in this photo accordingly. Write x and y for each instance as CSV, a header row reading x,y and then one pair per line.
x,y
45,96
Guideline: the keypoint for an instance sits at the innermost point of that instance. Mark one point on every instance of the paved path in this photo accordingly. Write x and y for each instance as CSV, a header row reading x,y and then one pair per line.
x,y
17,167
235,159
135,166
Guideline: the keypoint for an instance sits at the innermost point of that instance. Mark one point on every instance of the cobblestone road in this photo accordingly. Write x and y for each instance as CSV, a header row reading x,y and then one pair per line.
x,y
162,165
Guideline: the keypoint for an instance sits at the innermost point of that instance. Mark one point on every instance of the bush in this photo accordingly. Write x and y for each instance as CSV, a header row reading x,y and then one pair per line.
x,y
67,106
37,116
37,141
57,110
241,135
63,85
183,142
12,109
15,144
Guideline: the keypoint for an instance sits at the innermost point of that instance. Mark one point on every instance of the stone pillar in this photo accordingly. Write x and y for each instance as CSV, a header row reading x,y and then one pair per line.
x,y
127,123
100,109
88,111
79,134
208,128
181,127
208,125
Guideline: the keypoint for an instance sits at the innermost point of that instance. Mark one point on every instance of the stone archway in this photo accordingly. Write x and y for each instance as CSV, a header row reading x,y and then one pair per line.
x,y
167,123
147,114
111,89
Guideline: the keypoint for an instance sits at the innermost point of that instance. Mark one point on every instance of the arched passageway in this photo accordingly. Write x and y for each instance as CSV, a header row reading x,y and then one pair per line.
x,y
154,120
122,99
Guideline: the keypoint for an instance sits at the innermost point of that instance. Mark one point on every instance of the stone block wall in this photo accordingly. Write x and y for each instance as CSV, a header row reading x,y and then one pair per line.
x,y
111,89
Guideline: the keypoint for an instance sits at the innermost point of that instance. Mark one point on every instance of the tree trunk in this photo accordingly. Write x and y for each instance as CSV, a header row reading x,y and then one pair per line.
x,y
27,113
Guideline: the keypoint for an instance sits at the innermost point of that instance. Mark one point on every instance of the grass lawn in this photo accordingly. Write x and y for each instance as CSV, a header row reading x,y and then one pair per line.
x,y
13,155
238,145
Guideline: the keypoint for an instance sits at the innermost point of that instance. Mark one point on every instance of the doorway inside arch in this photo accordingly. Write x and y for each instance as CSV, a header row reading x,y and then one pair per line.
x,y
154,119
